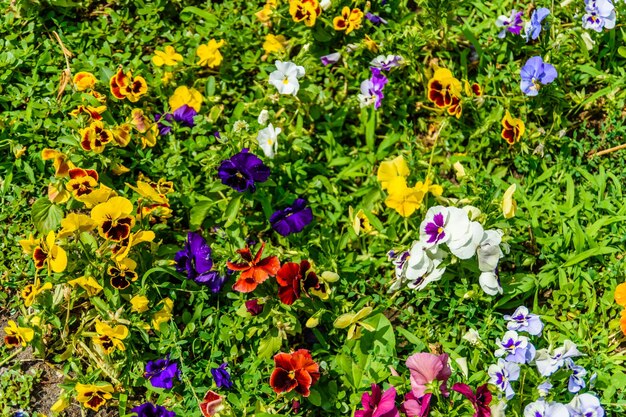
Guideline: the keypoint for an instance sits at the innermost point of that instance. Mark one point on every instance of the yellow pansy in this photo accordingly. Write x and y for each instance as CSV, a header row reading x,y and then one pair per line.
x,y
390,170
16,336
33,290
122,274
167,77
48,253
371,44
164,315
100,195
167,57
274,43
306,11
110,338
76,222
360,222
89,284
120,249
427,187
512,128
94,137
354,320
61,404
114,218
119,169
94,113
121,134
209,54
325,279
184,95
509,206
403,199
62,164
148,192
29,245
93,396
139,303
84,80
57,195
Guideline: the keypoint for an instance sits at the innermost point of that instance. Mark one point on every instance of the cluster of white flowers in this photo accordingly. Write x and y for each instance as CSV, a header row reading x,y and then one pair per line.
x,y
449,228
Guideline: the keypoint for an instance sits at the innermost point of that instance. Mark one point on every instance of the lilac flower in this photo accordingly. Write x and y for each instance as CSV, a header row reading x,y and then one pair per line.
x,y
502,374
162,372
599,14
533,27
576,381
523,321
534,73
548,362
543,409
292,219
585,405
372,89
512,24
222,377
330,58
516,348
375,19
388,62
185,114
164,129
151,410
195,260
544,388
242,171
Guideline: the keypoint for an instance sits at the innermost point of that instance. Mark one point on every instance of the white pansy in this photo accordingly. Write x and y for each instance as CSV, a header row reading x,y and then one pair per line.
x,y
268,140
263,117
489,252
490,283
285,78
472,337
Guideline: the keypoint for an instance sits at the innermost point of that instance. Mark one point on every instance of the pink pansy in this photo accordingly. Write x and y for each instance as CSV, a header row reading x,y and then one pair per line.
x,y
416,407
377,405
426,368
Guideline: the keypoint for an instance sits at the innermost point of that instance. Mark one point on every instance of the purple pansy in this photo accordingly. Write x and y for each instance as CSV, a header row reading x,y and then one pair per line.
x,y
151,410
378,403
162,372
242,171
330,58
512,24
576,381
515,348
222,377
185,114
164,129
375,19
416,407
550,361
523,321
533,27
372,89
585,405
388,62
536,73
253,307
292,219
542,408
599,14
502,373
195,260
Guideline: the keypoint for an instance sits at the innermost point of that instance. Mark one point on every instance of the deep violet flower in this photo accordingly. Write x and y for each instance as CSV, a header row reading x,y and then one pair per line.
x,y
185,114
533,27
222,377
151,410
242,171
378,404
375,19
512,24
162,372
426,368
372,89
195,260
292,219
164,129
480,400
416,407
536,73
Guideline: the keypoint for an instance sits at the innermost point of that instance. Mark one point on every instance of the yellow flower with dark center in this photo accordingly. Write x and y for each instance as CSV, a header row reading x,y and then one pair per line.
x,y
84,81
61,162
47,253
349,20
274,43
82,181
512,129
390,170
445,91
126,86
123,274
95,137
94,113
405,200
164,315
121,134
139,303
31,291
93,396
306,11
360,222
110,338
89,284
184,95
16,336
100,195
120,249
29,245
114,218
209,54
76,222
167,57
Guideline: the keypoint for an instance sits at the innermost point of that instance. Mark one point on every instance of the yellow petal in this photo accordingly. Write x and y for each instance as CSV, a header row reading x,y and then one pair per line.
x,y
509,206
344,320
389,170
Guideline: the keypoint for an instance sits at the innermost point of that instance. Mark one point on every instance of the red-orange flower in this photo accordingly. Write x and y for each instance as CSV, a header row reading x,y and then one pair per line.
x,y
254,270
292,278
211,404
295,370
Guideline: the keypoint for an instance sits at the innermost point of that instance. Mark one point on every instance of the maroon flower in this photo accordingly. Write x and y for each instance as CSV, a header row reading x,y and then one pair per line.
x,y
295,370
293,278
480,400
254,307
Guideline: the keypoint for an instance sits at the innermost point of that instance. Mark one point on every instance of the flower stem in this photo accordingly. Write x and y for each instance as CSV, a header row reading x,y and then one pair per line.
x,y
432,152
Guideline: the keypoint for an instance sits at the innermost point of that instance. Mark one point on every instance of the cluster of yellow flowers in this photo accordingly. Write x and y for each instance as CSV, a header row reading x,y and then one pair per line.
x,y
446,92
392,176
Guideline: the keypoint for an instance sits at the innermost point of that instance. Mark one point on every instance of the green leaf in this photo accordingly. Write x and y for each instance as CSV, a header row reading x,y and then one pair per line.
x,y
231,212
269,346
210,20
198,213
604,250
210,86
46,216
